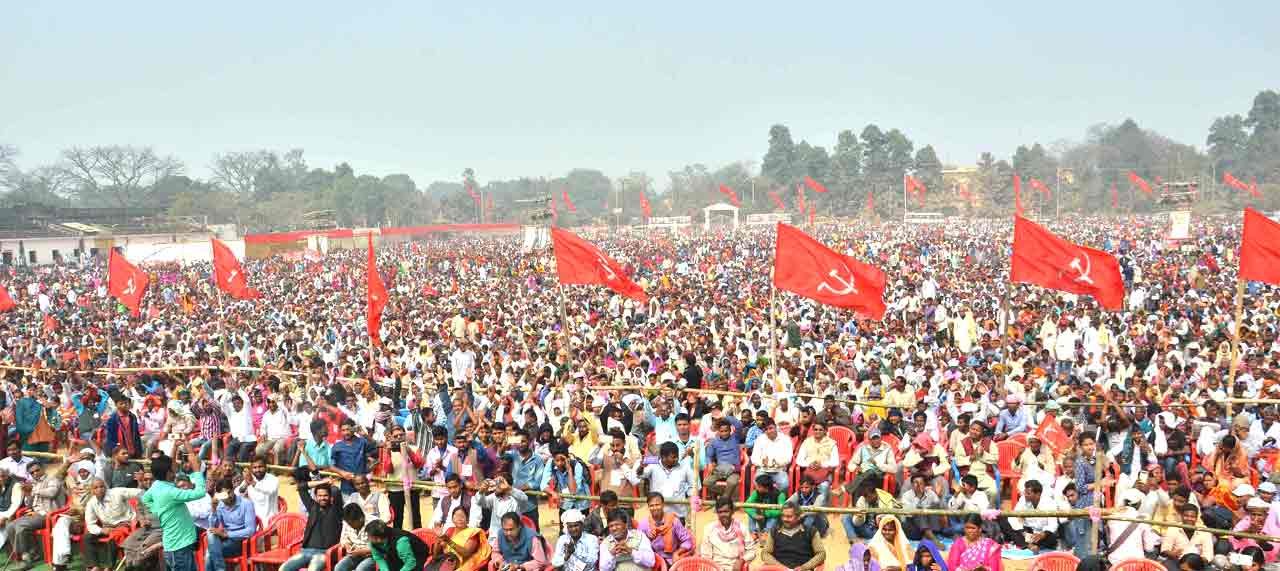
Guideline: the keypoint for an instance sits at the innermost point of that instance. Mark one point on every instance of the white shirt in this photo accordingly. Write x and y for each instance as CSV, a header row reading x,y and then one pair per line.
x,y
1035,524
1135,546
777,452
241,423
17,469
263,493
275,425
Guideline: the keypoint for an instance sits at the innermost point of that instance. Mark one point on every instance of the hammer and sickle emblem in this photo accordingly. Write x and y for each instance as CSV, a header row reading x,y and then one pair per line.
x,y
1082,268
231,277
610,275
845,287
129,287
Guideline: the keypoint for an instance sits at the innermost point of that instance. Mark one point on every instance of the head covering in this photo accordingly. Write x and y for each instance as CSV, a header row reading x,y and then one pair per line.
x,y
1131,496
926,545
571,516
1257,504
1243,490
856,552
1267,487
895,554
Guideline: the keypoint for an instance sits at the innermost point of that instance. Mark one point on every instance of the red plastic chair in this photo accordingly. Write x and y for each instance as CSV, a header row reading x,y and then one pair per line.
x,y
845,441
287,530
528,522
694,564
202,549
1138,565
333,555
45,534
1055,561
1007,453
1020,438
893,441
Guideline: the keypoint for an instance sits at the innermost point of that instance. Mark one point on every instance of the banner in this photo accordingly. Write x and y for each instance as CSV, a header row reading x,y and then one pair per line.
x,y
1180,225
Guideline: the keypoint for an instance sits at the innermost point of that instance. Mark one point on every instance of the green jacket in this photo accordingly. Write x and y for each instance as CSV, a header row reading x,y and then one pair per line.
x,y
769,514
169,503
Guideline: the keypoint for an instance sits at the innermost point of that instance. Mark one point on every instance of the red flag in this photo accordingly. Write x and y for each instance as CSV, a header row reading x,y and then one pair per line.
x,y
733,196
126,282
805,267
50,324
968,196
814,185
1260,248
6,301
1115,196
777,200
429,291
1137,181
1238,184
555,213
871,201
644,205
580,262
568,204
489,206
1052,435
228,274
376,297
1017,194
1036,184
1041,258
800,199
813,213
915,187
475,197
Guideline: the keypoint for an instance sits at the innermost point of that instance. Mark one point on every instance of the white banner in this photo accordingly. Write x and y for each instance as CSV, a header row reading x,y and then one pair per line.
x,y
1180,225
670,221
769,218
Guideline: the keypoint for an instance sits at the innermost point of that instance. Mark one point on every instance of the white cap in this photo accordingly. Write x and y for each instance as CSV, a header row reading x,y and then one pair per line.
x,y
571,516
1267,487
1243,490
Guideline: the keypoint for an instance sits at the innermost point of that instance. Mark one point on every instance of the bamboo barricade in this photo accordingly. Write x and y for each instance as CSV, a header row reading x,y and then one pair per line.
x,y
1107,514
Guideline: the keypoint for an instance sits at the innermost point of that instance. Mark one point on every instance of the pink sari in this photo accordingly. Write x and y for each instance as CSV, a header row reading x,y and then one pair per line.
x,y
965,557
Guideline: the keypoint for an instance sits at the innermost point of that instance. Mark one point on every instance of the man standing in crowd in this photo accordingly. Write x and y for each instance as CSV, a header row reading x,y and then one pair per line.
x,y
168,503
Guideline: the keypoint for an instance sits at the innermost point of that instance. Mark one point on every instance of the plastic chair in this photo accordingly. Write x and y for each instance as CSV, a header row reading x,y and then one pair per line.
x,y
694,564
1020,438
240,562
287,529
528,522
1138,565
1007,452
45,534
333,555
1055,561
845,441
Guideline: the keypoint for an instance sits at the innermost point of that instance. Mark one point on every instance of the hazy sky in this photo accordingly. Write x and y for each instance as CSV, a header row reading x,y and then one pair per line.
x,y
537,88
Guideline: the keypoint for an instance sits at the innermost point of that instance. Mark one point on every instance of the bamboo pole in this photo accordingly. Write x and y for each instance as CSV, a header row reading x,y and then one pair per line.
x,y
1096,527
1235,342
1106,513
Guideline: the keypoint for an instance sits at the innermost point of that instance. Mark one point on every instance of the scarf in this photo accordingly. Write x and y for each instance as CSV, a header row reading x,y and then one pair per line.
x,y
731,534
521,551
667,529
975,555
856,553
933,550
125,430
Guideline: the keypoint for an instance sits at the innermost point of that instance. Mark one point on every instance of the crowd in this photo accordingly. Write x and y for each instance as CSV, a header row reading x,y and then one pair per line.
x,y
511,396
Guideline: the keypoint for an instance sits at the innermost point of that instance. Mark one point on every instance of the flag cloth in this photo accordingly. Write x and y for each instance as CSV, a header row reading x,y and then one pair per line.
x,y
568,204
50,324
475,196
814,185
1017,194
1238,184
813,213
777,200
1036,184
1138,181
915,187
1115,196
1260,248
228,273
126,282
580,262
644,205
1041,258
6,301
1050,432
376,297
731,195
805,267
871,201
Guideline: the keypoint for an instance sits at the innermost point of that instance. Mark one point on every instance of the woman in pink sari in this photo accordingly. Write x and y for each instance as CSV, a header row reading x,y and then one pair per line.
x,y
973,550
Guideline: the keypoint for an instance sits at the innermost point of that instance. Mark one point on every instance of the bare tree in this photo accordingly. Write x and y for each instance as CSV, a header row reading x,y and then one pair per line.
x,y
121,176
238,171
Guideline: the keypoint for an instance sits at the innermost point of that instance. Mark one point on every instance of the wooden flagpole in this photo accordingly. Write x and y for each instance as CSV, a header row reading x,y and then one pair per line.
x,y
1235,343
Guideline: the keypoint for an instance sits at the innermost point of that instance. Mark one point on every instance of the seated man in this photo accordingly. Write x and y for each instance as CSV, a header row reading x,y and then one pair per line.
x,y
1034,533
793,545
724,540
233,523
394,549
519,548
667,536
625,549
921,496
575,550
811,494
355,541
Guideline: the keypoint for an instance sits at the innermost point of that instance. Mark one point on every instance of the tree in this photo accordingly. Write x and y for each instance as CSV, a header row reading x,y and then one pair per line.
x,y
1264,117
846,168
1227,141
238,171
928,170
779,160
7,166
118,176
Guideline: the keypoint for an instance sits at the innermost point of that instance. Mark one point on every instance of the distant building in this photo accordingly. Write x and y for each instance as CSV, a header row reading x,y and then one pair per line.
x,y
36,234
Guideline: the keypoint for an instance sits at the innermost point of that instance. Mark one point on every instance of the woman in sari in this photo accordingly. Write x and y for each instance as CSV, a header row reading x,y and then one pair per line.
x,y
928,558
889,546
972,550
859,559
460,548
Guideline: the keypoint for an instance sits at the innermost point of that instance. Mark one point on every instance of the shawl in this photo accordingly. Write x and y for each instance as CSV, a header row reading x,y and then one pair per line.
x,y
856,554
926,545
965,557
896,554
